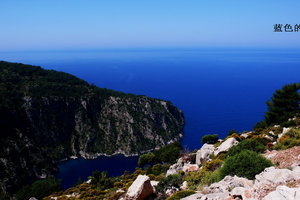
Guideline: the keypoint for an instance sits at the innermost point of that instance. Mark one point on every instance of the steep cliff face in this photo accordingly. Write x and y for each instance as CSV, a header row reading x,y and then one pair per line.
x,y
47,116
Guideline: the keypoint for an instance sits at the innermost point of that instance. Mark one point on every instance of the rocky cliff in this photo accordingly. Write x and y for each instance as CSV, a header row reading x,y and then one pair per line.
x,y
47,116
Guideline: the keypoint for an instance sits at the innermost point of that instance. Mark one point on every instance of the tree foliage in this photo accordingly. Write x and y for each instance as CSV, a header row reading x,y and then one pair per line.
x,y
210,139
284,104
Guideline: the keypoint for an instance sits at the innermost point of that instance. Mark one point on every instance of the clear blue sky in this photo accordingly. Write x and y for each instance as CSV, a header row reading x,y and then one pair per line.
x,y
89,24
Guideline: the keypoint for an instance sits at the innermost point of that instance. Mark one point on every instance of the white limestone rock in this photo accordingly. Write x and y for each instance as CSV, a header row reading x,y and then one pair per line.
x,y
284,193
154,184
175,168
184,185
190,167
171,191
272,176
228,183
140,189
204,153
284,131
213,196
225,146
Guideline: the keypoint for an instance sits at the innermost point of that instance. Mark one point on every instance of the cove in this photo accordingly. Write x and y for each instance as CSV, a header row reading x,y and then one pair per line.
x,y
70,171
217,89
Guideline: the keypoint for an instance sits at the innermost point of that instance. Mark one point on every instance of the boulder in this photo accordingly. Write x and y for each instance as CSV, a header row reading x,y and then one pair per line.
x,y
273,176
171,191
227,184
246,135
154,184
175,168
140,189
225,146
184,185
284,131
214,196
284,193
33,198
204,153
190,167
196,196
243,193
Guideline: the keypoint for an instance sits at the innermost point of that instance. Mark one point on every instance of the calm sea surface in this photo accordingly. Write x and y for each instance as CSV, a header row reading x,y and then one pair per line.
x,y
218,90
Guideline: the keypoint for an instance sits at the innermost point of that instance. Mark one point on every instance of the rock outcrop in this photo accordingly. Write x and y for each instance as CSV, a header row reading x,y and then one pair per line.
x,y
227,184
175,168
284,193
273,176
271,184
140,189
226,145
204,153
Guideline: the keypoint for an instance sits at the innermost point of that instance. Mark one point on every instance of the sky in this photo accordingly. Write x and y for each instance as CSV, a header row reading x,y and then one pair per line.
x,y
97,24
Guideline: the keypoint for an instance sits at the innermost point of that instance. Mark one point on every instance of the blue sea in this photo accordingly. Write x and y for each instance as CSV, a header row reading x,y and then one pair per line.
x,y
217,89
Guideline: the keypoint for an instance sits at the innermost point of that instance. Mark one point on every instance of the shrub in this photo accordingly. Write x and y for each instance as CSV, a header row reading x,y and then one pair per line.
x,y
102,180
210,139
39,189
248,144
231,132
289,140
181,194
168,153
159,168
212,165
202,178
245,164
169,182
236,136
147,158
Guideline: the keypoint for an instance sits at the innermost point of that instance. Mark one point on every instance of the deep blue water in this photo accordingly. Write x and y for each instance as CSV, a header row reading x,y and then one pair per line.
x,y
218,90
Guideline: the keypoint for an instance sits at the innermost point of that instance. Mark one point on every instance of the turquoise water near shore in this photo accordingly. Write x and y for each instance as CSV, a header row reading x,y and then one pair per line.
x,y
217,89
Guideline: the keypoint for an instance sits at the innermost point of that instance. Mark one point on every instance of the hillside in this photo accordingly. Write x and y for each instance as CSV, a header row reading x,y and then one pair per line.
x,y
47,116
262,164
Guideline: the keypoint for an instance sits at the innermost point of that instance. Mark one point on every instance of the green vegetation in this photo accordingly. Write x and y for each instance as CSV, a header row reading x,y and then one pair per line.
x,y
210,139
181,194
166,154
101,180
249,144
157,169
169,182
245,164
289,140
231,132
283,105
147,158
39,189
197,180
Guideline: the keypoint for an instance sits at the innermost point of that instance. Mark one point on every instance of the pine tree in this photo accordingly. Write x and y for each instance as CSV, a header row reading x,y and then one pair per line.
x,y
284,104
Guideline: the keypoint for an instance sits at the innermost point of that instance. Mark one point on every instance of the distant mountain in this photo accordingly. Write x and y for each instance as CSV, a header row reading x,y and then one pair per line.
x,y
47,116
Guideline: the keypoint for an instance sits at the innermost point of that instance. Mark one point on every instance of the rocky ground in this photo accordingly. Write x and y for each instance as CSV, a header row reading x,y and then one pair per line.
x,y
285,158
278,182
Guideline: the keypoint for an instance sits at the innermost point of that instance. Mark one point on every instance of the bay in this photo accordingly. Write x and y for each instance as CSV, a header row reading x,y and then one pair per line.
x,y
217,89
